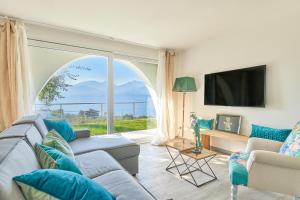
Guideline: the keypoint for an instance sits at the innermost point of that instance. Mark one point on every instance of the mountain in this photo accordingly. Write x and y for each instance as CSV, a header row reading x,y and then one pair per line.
x,y
94,91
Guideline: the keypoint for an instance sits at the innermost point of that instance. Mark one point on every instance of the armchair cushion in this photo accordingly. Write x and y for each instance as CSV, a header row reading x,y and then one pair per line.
x,y
238,173
263,144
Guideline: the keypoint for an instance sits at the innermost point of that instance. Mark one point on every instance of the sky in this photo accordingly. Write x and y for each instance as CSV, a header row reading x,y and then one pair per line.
x,y
98,70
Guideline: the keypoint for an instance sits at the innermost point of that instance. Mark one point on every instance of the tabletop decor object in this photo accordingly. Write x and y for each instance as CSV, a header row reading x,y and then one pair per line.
x,y
195,123
184,85
228,123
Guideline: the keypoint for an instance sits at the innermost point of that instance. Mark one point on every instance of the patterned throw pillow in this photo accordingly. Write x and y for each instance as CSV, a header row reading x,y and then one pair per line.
x,y
53,184
54,140
51,158
291,146
270,133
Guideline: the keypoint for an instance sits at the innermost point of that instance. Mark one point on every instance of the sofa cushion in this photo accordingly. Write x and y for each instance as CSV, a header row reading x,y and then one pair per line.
x,y
96,163
54,140
36,120
117,146
51,158
123,186
16,158
58,184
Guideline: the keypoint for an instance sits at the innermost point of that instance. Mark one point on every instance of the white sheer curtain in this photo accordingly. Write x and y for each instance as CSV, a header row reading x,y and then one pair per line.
x,y
15,78
165,110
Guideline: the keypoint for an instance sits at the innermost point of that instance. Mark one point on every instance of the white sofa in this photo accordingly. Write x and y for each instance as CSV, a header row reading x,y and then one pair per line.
x,y
270,171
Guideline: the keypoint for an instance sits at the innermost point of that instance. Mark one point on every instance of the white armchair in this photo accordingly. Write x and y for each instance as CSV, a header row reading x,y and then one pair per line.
x,y
268,170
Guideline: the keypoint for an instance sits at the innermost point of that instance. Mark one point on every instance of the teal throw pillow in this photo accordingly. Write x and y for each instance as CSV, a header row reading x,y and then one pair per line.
x,y
206,123
270,133
54,159
59,184
62,127
291,146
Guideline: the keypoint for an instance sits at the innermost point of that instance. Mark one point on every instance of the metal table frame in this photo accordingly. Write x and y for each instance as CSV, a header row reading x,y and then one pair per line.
x,y
190,168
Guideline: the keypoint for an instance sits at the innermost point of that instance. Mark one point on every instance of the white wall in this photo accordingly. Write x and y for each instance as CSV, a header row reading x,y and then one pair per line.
x,y
278,47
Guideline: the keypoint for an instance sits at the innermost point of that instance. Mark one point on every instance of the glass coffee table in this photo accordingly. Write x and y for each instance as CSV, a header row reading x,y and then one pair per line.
x,y
190,163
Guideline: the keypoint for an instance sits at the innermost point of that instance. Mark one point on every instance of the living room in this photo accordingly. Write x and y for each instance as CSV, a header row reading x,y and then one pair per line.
x,y
149,100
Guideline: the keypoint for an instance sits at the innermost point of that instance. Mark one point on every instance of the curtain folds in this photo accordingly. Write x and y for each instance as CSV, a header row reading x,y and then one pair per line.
x,y
15,82
165,109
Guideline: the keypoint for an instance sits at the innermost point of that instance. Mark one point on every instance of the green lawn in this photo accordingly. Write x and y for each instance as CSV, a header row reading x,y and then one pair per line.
x,y
99,127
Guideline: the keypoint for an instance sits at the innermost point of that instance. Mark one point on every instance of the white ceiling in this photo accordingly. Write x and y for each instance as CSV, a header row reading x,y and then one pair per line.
x,y
158,23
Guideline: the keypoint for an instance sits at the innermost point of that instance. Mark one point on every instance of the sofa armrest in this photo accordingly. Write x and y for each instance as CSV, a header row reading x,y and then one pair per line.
x,y
274,172
262,144
83,133
273,159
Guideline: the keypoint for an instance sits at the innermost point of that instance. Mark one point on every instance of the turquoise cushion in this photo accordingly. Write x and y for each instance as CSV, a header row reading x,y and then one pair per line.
x,y
62,127
59,184
238,173
270,133
52,158
291,146
205,123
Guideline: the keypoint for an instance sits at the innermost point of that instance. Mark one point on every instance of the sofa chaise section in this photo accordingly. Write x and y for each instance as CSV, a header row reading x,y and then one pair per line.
x,y
120,148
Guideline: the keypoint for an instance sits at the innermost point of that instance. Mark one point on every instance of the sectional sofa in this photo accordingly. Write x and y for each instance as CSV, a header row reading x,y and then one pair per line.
x,y
110,160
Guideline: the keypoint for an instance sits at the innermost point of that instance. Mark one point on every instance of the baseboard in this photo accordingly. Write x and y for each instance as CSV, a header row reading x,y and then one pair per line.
x,y
217,149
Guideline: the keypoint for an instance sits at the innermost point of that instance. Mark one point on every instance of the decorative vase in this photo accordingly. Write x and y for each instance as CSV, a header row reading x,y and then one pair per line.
x,y
198,147
196,126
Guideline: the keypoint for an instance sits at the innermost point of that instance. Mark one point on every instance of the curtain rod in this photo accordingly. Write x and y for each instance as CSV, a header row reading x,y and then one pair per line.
x,y
150,60
69,45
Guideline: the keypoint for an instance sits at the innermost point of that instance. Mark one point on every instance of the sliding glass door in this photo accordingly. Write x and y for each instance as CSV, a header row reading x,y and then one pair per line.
x,y
99,93
133,106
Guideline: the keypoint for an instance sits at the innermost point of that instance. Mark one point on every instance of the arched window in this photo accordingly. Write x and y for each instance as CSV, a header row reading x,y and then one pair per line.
x,y
79,90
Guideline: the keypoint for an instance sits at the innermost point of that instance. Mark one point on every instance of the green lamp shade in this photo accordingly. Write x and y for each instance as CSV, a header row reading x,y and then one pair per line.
x,y
185,84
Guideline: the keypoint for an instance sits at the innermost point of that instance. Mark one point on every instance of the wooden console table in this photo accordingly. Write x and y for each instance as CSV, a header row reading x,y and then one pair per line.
x,y
206,134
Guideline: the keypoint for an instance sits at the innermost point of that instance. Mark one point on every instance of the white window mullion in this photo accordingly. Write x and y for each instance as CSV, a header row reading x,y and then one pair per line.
x,y
110,95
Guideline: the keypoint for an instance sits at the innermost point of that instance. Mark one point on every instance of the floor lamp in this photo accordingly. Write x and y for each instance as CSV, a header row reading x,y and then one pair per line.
x,y
184,85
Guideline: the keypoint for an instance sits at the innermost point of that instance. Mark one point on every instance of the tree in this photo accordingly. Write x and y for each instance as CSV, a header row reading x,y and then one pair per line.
x,y
57,84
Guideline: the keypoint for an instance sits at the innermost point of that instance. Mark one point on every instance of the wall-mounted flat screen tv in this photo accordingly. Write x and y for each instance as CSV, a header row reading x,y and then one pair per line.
x,y
243,87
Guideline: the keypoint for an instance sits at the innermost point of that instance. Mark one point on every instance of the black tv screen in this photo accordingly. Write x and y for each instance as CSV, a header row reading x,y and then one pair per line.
x,y
242,87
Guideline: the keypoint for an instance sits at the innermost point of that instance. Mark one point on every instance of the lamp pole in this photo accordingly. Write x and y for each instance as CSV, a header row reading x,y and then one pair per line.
x,y
183,104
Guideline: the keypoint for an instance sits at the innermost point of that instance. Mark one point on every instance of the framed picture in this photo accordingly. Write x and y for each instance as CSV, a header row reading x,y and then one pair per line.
x,y
228,123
